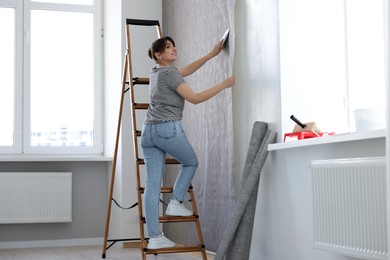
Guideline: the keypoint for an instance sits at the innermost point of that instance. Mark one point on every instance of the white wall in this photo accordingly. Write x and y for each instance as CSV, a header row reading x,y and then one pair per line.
x,y
283,225
284,214
124,223
387,60
256,94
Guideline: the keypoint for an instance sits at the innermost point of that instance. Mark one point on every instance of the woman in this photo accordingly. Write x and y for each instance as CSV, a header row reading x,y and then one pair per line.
x,y
162,132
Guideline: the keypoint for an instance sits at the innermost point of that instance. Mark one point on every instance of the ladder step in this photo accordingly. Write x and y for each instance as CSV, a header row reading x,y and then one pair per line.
x,y
140,81
176,249
140,105
173,219
164,189
167,161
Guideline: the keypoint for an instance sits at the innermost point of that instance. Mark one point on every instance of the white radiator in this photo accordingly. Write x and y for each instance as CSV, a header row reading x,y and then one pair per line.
x,y
35,197
349,197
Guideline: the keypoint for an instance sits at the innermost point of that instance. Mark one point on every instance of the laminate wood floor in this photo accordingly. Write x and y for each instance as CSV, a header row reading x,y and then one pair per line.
x,y
88,253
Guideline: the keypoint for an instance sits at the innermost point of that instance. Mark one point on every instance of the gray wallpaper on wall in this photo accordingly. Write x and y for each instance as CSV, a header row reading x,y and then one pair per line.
x,y
196,26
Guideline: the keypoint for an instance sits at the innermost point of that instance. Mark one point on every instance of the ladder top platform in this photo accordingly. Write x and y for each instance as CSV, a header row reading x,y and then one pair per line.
x,y
143,22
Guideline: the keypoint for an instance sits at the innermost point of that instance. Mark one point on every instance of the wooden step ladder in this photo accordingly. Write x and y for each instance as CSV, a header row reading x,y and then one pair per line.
x,y
129,83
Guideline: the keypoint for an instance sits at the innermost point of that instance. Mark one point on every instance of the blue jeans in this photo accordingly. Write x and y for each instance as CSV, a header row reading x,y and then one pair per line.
x,y
157,140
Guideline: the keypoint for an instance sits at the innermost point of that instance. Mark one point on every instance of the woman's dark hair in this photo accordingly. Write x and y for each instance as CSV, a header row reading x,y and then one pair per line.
x,y
159,46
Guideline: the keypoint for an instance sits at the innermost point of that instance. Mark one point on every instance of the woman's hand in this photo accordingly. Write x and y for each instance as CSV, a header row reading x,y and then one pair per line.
x,y
218,47
229,82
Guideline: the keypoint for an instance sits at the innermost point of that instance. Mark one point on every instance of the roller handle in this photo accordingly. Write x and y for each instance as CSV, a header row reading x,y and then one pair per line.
x,y
297,121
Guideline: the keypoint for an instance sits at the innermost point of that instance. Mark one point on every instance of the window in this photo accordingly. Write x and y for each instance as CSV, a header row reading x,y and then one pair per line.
x,y
332,61
7,79
365,54
51,102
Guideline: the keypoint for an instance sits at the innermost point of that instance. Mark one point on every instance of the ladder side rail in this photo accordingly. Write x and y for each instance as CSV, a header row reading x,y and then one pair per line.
x,y
135,138
113,166
197,223
159,32
132,99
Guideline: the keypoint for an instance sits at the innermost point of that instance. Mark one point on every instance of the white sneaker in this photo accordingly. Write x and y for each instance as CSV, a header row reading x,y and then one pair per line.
x,y
176,208
160,242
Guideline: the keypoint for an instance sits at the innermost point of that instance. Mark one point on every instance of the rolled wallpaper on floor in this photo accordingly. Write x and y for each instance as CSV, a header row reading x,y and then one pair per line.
x,y
236,241
196,26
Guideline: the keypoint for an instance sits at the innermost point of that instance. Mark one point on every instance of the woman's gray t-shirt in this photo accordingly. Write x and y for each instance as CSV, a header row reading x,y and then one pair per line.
x,y
165,103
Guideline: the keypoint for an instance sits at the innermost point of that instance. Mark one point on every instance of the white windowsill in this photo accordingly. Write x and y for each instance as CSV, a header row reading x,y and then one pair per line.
x,y
54,158
346,137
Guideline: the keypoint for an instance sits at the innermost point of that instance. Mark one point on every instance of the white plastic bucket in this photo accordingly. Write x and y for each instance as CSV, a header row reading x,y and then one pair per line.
x,y
367,119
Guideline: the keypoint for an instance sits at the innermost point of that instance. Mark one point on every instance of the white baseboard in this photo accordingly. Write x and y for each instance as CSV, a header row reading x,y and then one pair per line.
x,y
54,243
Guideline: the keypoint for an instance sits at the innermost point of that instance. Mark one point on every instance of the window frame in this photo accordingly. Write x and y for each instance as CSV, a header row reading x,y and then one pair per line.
x,y
22,128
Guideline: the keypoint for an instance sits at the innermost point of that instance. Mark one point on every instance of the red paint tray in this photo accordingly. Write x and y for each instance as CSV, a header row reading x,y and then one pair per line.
x,y
305,135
